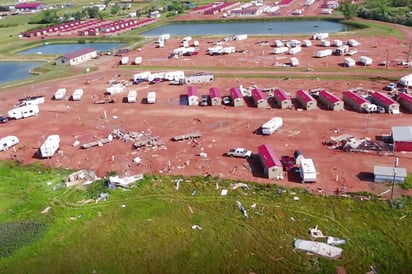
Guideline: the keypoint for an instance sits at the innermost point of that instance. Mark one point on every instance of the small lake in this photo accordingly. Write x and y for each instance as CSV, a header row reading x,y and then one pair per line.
x,y
60,49
251,28
13,71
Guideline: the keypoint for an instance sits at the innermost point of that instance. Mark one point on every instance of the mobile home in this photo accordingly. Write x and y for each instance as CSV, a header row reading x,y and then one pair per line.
x,y
237,97
259,98
365,60
124,60
406,81
132,96
115,89
60,93
331,101
50,146
306,100
282,99
280,50
323,53
294,62
272,166
32,100
272,125
349,62
23,111
77,94
7,142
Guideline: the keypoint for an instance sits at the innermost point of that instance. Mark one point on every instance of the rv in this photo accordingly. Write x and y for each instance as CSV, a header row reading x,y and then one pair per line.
x,y
320,36
7,142
31,100
50,146
132,96
151,97
280,50
272,125
138,60
323,53
77,94
406,81
279,43
60,93
349,62
115,89
294,62
307,170
140,77
365,60
295,50
23,111
342,50
124,60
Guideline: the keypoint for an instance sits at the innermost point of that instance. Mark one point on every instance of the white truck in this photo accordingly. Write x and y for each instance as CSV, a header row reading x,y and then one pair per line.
x,y
239,152
272,125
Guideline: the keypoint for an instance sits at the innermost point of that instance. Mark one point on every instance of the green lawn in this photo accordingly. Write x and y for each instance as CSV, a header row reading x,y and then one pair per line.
x,y
147,229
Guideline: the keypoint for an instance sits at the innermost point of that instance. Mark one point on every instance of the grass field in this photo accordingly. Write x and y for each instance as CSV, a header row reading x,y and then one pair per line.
x,y
147,229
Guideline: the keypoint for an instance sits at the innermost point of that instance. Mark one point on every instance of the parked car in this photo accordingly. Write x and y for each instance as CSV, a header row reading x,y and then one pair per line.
x,y
227,101
155,81
4,119
204,100
390,86
380,109
239,152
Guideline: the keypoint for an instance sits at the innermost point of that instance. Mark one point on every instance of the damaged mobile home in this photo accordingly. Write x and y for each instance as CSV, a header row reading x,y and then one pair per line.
x,y
50,146
8,142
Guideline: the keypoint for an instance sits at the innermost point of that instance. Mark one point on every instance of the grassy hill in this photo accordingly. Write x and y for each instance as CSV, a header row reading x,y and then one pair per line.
x,y
148,228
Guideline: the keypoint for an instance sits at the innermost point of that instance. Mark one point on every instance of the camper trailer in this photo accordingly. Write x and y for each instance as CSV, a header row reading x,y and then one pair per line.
x,y
138,60
272,125
124,60
406,81
23,111
307,170
295,50
77,94
349,62
115,89
151,97
323,53
142,76
132,96
280,50
60,93
365,60
7,142
50,146
31,100
294,62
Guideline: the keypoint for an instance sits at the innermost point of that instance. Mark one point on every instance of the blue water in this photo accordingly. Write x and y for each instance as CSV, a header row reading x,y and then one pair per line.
x,y
13,71
60,49
251,28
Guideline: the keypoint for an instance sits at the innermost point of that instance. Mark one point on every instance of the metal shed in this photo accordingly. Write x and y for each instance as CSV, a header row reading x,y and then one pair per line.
x,y
237,97
215,97
306,100
192,97
259,98
402,138
355,101
385,174
282,99
272,166
331,101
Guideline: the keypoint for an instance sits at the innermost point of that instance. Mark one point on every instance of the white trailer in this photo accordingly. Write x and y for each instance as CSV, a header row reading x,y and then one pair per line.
x,y
23,111
352,43
124,60
320,36
349,62
365,60
280,50
174,75
151,97
50,146
142,76
229,50
337,43
406,81
138,60
32,100
187,39
307,170
197,79
323,53
77,94
240,37
306,43
279,43
295,50
160,43
132,96
272,125
60,93
164,37
115,89
325,43
7,142
294,62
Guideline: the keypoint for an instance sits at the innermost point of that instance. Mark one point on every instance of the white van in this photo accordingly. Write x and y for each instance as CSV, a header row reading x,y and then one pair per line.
x,y
151,97
272,125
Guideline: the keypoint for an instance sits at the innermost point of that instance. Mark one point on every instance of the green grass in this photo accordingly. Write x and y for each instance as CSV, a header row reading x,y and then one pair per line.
x,y
152,232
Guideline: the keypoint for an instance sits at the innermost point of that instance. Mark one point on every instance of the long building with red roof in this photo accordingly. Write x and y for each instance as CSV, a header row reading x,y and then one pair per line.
x,y
272,166
331,101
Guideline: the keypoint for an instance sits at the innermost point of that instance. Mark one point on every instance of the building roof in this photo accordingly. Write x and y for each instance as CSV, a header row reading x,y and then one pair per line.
x,y
281,95
258,94
235,93
389,171
304,95
383,98
214,92
192,91
329,96
268,156
402,133
79,52
405,97
355,97
31,5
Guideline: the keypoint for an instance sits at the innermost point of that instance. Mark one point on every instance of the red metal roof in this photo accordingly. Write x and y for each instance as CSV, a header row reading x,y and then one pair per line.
x,y
32,5
235,93
405,97
191,91
268,156
281,95
355,97
329,96
383,98
304,95
258,94
214,92
78,53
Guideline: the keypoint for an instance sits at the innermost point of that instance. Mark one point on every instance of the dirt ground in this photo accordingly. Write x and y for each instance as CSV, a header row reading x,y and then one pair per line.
x,y
222,127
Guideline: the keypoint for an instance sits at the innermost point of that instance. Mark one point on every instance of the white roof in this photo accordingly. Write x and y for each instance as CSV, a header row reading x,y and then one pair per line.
x,y
388,171
402,133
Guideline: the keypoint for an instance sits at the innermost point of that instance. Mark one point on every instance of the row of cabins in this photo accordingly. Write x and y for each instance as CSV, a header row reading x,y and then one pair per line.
x,y
359,103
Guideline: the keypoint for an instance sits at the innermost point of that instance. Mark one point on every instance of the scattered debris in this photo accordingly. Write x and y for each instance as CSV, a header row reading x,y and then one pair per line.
x,y
102,197
83,176
242,185
177,183
99,142
196,227
242,209
315,232
223,192
192,135
116,181
46,210
347,142
335,241
318,248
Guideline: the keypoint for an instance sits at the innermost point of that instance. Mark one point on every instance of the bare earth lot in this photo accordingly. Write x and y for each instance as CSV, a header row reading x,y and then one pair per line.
x,y
221,127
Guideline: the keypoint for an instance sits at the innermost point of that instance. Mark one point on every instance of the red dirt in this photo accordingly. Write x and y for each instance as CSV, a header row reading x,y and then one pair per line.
x,y
222,127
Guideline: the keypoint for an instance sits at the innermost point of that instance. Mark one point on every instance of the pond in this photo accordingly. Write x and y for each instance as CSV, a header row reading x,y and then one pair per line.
x,y
60,49
13,71
251,28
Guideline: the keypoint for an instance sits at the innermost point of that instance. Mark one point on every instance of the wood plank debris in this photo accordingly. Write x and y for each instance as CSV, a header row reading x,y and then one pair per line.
x,y
186,136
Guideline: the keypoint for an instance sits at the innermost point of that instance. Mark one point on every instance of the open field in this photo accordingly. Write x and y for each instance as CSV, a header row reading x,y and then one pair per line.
x,y
148,228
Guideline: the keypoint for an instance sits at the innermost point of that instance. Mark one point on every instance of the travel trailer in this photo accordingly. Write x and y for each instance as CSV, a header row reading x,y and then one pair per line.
x,y
7,142
138,60
307,170
124,60
151,97
272,125
77,94
50,146
294,62
365,60
132,96
323,53
23,111
60,93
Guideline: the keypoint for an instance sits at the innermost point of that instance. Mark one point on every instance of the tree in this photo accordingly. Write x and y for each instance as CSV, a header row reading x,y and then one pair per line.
x,y
348,9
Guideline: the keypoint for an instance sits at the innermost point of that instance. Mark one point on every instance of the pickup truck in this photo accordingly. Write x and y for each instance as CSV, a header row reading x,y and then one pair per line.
x,y
239,152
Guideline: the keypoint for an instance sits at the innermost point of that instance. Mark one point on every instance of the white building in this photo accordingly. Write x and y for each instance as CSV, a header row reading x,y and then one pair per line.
x,y
77,57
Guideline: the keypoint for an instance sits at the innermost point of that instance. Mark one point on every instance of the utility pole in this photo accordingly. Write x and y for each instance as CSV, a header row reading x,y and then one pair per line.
x,y
394,175
409,51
